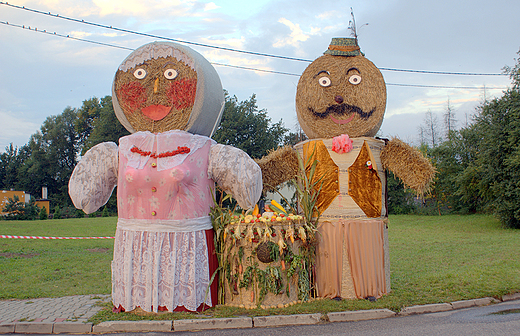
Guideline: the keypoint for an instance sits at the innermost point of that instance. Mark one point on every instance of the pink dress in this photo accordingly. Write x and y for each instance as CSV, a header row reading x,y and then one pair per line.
x,y
163,251
160,252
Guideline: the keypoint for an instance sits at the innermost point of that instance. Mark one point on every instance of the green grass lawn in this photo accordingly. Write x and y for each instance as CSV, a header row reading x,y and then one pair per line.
x,y
32,268
433,259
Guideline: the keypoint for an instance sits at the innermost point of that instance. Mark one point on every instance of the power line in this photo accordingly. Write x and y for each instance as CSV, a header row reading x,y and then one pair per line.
x,y
236,66
444,72
255,69
230,65
447,87
388,84
62,35
232,49
154,36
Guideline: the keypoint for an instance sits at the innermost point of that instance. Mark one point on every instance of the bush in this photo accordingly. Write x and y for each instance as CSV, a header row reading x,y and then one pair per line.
x,y
400,200
80,213
57,213
499,121
43,214
18,210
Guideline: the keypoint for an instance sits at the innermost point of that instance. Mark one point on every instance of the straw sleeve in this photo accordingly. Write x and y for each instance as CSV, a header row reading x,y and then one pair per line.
x,y
409,165
236,173
278,166
94,177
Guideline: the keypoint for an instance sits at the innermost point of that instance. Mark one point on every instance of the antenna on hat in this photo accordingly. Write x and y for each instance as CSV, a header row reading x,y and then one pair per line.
x,y
346,46
352,26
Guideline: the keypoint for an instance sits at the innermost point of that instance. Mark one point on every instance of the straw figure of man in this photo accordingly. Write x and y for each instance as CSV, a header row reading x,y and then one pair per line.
x,y
340,104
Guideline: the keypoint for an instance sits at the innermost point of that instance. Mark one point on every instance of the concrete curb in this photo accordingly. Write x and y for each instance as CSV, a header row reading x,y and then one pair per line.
x,y
423,309
72,328
510,297
285,320
474,303
33,328
132,326
360,315
7,328
238,322
216,323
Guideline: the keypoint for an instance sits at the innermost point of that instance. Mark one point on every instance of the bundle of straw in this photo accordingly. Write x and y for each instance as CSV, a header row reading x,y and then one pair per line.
x,y
409,165
278,166
363,104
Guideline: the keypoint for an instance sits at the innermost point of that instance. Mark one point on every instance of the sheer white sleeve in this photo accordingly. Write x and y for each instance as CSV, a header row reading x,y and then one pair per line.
x,y
236,173
94,177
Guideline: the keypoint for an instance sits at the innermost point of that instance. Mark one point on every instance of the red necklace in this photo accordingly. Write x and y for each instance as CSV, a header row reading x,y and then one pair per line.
x,y
179,150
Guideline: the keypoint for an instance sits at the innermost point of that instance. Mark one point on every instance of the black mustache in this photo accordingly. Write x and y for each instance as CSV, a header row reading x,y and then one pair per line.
x,y
341,109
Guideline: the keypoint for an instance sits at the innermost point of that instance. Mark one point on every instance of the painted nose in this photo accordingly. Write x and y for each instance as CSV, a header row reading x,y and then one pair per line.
x,y
338,99
156,85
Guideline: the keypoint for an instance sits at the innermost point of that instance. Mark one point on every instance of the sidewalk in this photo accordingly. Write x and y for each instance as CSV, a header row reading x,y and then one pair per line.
x,y
41,315
70,314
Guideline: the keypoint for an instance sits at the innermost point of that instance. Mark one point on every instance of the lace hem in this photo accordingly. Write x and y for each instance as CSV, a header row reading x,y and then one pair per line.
x,y
152,269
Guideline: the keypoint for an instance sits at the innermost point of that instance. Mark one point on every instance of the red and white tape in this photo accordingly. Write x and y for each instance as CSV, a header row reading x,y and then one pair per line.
x,y
39,237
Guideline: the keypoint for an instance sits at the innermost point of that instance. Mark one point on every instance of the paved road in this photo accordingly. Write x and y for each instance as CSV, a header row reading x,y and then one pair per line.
x,y
472,321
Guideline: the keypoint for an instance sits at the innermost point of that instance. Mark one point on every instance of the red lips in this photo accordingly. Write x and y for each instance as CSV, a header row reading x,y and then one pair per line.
x,y
156,112
341,121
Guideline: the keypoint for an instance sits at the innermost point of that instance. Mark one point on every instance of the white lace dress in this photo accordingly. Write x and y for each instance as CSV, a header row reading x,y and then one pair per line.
x,y
163,251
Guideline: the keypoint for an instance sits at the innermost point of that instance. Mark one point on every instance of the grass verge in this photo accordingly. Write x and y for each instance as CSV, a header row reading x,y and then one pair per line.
x,y
33,268
433,259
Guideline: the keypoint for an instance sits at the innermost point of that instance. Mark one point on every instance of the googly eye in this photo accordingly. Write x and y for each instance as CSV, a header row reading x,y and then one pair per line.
x,y
170,73
354,79
324,81
140,73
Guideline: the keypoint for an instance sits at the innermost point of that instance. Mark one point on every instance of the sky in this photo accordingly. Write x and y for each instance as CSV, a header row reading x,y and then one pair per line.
x,y
41,74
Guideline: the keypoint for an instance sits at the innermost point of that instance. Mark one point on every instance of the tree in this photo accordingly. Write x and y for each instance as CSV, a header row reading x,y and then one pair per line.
x,y
514,73
293,138
450,121
52,155
97,122
18,210
57,213
10,161
87,114
457,182
14,207
429,132
43,214
247,128
499,155
400,200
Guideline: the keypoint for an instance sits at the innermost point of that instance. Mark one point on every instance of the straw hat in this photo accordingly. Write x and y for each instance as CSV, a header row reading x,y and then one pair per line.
x,y
341,92
343,46
163,86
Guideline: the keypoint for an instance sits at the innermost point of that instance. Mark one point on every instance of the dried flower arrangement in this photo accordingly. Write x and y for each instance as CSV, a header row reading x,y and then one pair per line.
x,y
266,260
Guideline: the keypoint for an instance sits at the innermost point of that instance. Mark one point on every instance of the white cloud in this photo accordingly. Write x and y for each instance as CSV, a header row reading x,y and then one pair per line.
x,y
145,9
82,8
112,34
297,35
210,6
236,43
222,57
79,34
328,15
